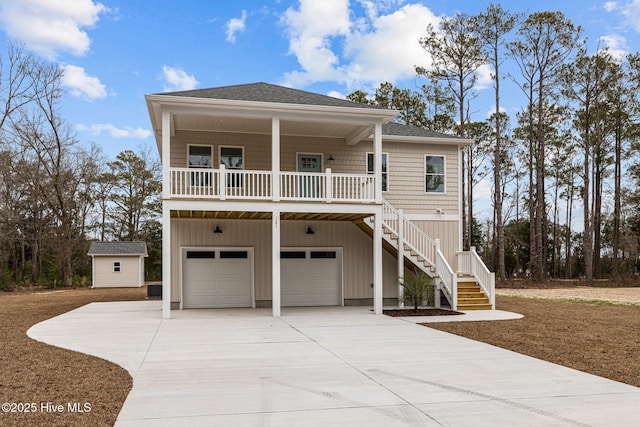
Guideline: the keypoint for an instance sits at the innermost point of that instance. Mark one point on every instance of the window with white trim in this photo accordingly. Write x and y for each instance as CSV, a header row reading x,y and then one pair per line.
x,y
232,158
385,170
116,266
434,174
200,157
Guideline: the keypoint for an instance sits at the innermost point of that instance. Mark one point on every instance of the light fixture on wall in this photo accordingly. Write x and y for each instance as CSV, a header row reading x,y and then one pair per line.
x,y
310,231
217,230
330,159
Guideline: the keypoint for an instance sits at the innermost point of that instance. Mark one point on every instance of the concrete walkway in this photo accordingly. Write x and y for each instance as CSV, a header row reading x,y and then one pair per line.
x,y
326,367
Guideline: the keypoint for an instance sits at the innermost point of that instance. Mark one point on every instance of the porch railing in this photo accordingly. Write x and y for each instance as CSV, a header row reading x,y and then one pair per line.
x,y
223,183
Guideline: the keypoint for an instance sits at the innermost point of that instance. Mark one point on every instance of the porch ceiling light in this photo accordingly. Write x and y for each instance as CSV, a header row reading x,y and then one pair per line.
x,y
217,230
310,231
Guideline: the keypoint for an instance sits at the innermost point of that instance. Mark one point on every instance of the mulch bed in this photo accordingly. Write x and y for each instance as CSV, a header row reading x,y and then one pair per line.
x,y
35,373
408,312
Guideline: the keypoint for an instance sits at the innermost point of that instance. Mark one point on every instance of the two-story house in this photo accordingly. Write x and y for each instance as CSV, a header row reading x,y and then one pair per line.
x,y
276,197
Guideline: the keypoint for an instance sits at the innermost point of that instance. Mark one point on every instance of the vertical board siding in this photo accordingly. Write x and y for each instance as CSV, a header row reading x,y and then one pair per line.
x,y
105,277
357,250
447,232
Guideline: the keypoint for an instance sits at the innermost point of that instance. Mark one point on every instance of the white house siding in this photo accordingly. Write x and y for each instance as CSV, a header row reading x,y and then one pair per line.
x,y
357,251
406,163
129,275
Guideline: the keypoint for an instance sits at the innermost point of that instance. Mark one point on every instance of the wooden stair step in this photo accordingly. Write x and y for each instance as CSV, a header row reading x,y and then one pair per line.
x,y
466,307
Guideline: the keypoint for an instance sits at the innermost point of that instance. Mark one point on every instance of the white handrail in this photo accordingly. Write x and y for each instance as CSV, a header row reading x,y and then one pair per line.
x,y
447,276
470,262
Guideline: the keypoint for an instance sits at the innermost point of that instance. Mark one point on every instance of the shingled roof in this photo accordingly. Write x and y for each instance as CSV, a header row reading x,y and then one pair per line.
x,y
265,92
399,129
118,248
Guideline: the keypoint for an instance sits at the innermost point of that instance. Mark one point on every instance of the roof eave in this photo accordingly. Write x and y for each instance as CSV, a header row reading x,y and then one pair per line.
x,y
269,109
427,140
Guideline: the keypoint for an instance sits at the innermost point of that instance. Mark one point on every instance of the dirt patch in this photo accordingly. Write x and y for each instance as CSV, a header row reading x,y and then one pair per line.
x,y
33,374
595,338
410,312
627,296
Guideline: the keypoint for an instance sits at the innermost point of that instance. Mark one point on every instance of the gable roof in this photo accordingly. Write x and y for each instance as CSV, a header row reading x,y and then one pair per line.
x,y
266,92
118,248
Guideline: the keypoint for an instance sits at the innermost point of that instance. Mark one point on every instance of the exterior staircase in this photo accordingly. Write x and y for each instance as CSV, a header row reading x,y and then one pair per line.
x,y
472,287
471,296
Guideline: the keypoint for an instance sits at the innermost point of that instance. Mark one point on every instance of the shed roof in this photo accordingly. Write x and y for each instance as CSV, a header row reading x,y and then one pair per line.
x,y
118,248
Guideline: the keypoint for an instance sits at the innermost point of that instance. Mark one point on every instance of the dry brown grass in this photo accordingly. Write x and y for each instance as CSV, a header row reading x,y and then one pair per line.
x,y
599,338
32,372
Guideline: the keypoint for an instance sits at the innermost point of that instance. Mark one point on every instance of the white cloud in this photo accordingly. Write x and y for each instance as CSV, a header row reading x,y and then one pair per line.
x,y
177,79
483,75
631,13
388,49
115,132
329,45
51,26
610,6
82,85
617,46
236,25
311,30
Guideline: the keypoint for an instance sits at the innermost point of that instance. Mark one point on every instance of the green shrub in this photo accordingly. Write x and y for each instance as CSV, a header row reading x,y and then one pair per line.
x,y
418,289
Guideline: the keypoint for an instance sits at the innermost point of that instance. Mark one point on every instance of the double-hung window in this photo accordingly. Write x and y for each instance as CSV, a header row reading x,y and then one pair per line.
x,y
233,158
116,266
434,174
385,170
200,157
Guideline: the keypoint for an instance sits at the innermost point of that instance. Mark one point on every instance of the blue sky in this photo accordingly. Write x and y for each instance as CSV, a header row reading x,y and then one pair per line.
x,y
114,52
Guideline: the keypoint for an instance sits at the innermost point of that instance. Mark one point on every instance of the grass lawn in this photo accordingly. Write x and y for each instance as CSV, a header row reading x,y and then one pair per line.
x,y
597,338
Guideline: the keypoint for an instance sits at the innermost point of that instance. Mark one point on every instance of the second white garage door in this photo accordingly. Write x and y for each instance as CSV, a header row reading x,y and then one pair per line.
x,y
217,278
311,277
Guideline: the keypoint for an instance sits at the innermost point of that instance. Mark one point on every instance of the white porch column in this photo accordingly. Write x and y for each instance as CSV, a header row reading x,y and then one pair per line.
x,y
400,258
275,263
377,161
377,262
165,155
166,215
275,159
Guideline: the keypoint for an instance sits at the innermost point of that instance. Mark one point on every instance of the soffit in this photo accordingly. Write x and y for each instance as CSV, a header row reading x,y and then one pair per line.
x,y
205,123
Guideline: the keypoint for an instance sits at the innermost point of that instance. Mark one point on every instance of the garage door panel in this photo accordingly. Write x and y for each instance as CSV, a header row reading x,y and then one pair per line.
x,y
310,281
215,282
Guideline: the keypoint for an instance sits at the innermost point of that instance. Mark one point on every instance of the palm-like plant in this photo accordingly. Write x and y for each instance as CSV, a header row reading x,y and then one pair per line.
x,y
418,289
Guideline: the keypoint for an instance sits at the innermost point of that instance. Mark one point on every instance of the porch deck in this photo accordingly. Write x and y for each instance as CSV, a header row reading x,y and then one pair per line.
x,y
261,185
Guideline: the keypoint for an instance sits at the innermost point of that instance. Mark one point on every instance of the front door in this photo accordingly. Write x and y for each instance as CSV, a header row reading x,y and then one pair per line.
x,y
309,164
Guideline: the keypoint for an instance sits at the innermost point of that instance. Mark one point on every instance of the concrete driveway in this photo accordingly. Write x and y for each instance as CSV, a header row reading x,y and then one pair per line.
x,y
326,367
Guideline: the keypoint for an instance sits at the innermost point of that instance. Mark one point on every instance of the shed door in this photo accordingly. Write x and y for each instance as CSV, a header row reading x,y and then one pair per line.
x,y
216,278
310,277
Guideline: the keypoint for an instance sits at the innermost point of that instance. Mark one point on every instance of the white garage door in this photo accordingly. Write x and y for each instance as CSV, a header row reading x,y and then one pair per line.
x,y
216,278
310,277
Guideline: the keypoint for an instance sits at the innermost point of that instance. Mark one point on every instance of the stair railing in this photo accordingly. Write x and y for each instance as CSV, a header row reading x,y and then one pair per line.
x,y
471,263
448,277
422,245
